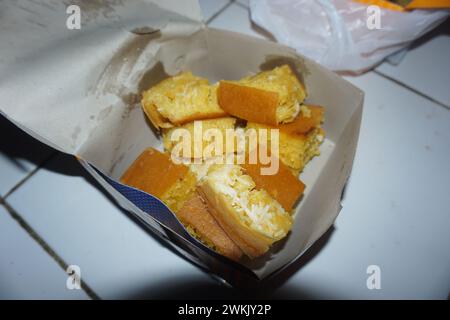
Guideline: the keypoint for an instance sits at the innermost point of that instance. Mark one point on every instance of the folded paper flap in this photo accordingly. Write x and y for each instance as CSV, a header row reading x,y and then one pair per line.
x,y
50,75
45,26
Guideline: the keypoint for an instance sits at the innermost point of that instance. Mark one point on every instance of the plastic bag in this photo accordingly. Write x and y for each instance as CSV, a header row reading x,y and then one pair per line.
x,y
335,33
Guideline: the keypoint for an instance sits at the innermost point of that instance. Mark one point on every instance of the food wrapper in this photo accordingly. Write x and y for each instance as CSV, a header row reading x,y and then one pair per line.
x,y
344,35
78,90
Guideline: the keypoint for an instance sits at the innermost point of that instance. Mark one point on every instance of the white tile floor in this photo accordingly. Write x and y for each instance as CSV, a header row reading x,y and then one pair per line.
x,y
396,213
426,67
236,17
26,270
118,258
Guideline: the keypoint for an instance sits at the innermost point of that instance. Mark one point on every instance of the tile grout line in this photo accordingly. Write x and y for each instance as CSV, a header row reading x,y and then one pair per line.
x,y
30,174
241,5
41,242
423,95
215,15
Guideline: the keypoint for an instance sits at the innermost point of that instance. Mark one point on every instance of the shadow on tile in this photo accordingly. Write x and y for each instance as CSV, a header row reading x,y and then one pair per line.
x,y
198,289
191,289
15,144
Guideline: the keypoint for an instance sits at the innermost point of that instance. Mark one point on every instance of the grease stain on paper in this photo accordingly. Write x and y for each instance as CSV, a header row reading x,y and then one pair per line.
x,y
122,63
145,30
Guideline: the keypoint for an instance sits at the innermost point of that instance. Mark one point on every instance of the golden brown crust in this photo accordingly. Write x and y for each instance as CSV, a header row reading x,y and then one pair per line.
x,y
248,103
249,241
153,172
283,186
180,99
198,116
304,124
195,214
155,117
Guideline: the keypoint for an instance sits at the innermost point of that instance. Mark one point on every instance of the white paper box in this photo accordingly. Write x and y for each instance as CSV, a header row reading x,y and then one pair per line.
x,y
78,91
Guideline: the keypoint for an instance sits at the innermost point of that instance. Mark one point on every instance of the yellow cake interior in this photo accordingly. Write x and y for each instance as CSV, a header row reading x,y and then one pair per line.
x,y
296,151
220,124
256,209
179,192
181,99
283,81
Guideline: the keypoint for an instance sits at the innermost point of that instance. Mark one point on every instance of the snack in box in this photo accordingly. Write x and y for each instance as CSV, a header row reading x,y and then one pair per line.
x,y
299,140
181,99
269,97
231,207
221,124
250,216
154,173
